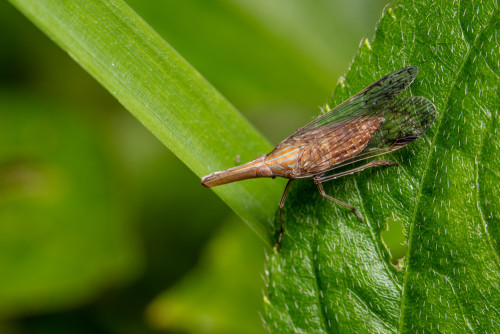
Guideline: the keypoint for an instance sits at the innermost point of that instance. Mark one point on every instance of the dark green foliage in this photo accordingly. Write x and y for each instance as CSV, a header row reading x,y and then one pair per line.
x,y
333,273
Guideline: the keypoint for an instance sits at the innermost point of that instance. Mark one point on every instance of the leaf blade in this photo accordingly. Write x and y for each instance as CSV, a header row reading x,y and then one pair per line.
x,y
360,290
164,92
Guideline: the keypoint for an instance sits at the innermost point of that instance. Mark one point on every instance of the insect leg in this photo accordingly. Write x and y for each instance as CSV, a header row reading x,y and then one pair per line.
x,y
320,179
282,203
322,192
373,163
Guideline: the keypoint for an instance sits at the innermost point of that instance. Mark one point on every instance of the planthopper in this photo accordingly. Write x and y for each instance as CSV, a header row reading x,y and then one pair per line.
x,y
371,123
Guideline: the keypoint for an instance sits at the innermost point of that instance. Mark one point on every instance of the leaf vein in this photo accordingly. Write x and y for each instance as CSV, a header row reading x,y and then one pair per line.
x,y
426,168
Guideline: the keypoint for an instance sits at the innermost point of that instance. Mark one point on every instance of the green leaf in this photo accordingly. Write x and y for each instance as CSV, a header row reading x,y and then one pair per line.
x,y
277,52
333,273
164,92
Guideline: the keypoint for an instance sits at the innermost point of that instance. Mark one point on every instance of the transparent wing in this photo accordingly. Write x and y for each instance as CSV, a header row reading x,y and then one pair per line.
x,y
368,102
405,119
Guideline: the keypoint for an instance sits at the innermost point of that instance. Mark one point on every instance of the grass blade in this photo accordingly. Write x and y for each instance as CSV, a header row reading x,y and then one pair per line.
x,y
120,50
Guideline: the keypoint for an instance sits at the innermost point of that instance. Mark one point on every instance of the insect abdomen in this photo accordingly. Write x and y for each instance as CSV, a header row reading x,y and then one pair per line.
x,y
330,148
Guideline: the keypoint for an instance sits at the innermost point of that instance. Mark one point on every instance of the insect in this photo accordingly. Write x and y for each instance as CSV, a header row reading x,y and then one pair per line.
x,y
371,123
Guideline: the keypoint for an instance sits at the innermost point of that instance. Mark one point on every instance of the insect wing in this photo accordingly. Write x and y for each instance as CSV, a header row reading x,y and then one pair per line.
x,y
405,119
368,102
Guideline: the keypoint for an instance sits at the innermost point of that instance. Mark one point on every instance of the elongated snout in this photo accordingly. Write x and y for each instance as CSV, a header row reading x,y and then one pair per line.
x,y
250,170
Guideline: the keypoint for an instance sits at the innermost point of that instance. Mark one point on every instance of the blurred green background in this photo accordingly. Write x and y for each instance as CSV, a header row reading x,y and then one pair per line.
x,y
102,229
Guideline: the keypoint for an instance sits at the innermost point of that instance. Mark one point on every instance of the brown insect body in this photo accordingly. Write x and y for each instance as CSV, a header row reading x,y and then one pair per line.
x,y
368,124
324,148
304,155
